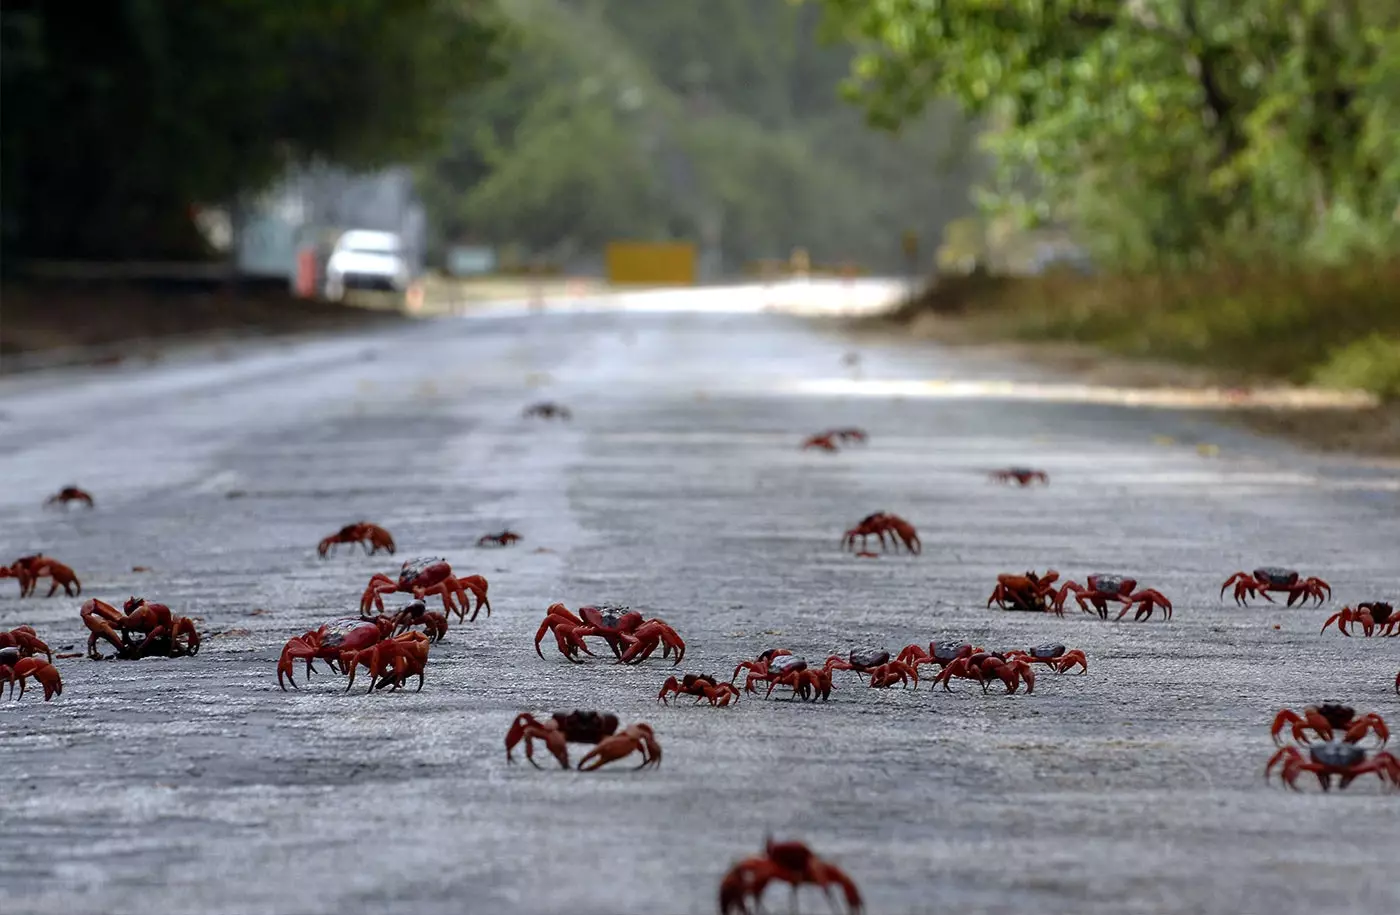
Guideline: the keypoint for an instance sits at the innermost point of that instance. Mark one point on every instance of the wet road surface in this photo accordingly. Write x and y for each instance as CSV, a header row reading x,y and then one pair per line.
x,y
197,786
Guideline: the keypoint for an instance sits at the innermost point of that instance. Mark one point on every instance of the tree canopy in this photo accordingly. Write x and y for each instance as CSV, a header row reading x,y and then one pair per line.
x,y
119,116
1162,128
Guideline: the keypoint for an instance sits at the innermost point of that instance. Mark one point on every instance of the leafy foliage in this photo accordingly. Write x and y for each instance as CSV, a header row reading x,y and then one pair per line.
x,y
1163,127
120,115
643,119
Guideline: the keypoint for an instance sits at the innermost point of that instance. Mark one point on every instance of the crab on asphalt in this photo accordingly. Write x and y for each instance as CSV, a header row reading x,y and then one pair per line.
x,y
18,667
503,538
876,663
1103,588
557,731
879,524
1347,761
793,672
1280,581
158,632
1055,656
1328,721
69,494
637,738
703,686
1373,616
27,570
370,536
741,888
986,667
764,667
1024,476
26,641
328,642
1029,592
940,653
429,575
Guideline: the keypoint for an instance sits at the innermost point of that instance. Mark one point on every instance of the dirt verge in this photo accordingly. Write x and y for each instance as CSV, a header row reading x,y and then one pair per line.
x,y
1372,431
69,322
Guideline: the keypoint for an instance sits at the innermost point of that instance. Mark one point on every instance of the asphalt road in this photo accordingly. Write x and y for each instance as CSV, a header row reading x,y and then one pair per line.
x,y
197,786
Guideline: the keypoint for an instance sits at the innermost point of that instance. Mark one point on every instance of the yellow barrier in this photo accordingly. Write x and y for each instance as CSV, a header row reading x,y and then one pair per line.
x,y
651,263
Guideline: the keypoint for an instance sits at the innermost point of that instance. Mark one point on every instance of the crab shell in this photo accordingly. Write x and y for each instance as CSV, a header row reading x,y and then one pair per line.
x,y
423,567
1337,715
1109,584
349,633
785,664
1276,575
1338,754
1045,652
949,651
862,658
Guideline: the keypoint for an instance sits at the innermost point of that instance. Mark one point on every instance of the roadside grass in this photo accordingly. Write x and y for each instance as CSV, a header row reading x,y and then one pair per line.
x,y
1331,326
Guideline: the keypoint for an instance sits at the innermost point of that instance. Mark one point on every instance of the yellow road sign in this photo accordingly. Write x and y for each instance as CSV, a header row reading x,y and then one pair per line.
x,y
651,263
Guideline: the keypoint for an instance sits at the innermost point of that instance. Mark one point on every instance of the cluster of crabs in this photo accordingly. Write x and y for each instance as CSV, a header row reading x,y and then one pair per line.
x,y
1329,741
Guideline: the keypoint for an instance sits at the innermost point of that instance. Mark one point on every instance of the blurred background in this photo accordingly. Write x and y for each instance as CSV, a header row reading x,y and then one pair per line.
x,y
1206,181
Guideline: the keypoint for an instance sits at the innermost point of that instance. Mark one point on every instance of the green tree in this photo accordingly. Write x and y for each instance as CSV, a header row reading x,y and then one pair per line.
x,y
119,116
1160,126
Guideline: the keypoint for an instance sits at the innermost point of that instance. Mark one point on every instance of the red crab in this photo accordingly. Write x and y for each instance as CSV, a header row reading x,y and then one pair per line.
x,y
875,662
416,613
703,686
1104,588
429,575
557,732
1025,476
806,684
622,626
1325,720
69,494
1028,592
741,889
1373,616
547,410
763,668
984,667
1265,579
822,442
878,525
564,625
29,569
161,633
637,738
1345,760
370,536
940,653
390,661
26,641
328,642
1054,656
504,538
16,667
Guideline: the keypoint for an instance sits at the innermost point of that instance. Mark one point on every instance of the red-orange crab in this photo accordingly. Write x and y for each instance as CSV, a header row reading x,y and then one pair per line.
x,y
883,671
558,732
637,738
29,569
328,642
26,641
821,442
1345,760
429,575
1329,721
390,661
504,538
631,637
1372,616
416,613
564,625
702,686
763,668
1103,588
69,494
741,889
1054,656
878,525
793,672
1271,578
160,633
1024,476
1029,592
940,653
370,536
16,667
984,667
